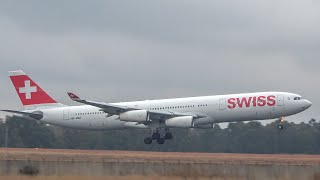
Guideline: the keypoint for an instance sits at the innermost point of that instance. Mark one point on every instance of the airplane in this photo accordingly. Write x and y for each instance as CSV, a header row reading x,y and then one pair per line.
x,y
157,115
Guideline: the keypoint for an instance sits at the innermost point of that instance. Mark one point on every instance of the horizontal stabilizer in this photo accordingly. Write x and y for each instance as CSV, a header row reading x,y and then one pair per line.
x,y
36,114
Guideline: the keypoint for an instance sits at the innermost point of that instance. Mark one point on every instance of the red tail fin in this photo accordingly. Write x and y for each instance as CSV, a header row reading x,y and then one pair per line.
x,y
29,92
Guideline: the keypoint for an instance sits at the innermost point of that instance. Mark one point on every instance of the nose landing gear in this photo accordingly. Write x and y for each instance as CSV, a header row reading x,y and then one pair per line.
x,y
280,125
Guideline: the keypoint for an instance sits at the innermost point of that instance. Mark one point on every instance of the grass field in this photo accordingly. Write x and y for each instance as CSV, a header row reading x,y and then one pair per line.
x,y
103,178
134,156
62,164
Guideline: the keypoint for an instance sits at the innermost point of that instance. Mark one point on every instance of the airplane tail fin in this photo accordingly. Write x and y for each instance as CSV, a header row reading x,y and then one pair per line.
x,y
30,94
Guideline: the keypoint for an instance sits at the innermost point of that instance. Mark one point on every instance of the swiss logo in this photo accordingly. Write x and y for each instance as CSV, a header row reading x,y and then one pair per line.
x,y
255,101
27,89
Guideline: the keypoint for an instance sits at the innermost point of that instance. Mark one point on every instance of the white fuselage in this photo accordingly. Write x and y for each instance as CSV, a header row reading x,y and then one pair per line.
x,y
223,108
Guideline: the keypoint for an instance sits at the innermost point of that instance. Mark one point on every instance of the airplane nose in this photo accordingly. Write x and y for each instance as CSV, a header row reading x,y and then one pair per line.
x,y
308,104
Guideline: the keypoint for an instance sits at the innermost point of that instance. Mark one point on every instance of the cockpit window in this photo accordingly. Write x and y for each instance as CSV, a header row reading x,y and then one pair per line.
x,y
297,98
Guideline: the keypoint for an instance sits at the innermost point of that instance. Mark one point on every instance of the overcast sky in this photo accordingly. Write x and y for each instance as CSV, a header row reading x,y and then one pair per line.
x,y
133,50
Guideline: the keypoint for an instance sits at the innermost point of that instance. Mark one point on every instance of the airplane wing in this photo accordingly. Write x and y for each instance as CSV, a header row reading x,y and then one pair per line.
x,y
116,110
106,107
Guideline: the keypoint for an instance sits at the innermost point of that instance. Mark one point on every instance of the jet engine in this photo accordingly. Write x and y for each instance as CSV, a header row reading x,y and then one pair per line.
x,y
140,116
180,122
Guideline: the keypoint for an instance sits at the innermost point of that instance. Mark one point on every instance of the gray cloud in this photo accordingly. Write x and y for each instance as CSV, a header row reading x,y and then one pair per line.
x,y
132,50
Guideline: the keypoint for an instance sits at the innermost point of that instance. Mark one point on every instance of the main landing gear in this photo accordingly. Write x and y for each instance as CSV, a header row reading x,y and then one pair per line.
x,y
148,140
157,136
280,125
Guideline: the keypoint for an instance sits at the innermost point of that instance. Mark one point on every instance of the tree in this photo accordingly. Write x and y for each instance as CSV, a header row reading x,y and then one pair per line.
x,y
239,137
26,133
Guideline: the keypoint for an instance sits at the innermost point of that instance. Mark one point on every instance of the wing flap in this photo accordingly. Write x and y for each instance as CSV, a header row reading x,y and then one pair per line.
x,y
167,114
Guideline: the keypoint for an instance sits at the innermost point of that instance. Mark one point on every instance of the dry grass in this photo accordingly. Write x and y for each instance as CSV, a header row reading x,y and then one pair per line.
x,y
156,158
104,178
136,156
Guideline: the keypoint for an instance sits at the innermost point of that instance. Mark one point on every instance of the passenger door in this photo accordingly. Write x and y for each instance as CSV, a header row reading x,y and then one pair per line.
x,y
222,104
66,114
280,100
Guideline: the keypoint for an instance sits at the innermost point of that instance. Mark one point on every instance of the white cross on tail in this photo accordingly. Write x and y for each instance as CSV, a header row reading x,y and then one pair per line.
x,y
27,89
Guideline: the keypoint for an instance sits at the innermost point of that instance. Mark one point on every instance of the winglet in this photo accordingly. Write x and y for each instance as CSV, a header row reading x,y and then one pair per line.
x,y
73,96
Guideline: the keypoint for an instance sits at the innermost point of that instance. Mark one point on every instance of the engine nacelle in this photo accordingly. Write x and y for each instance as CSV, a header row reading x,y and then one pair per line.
x,y
180,122
135,116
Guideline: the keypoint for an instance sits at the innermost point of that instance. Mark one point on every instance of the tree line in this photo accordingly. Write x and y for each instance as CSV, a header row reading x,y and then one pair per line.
x,y
239,137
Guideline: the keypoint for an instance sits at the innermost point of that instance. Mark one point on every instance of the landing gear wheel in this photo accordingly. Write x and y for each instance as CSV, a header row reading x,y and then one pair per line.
x,y
156,135
160,140
148,140
168,136
280,127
